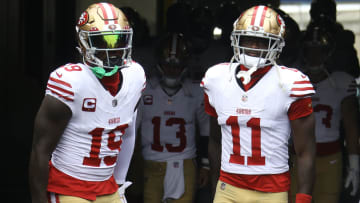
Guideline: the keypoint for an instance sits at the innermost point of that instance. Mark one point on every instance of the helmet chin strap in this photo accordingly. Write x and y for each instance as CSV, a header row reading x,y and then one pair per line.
x,y
246,75
253,62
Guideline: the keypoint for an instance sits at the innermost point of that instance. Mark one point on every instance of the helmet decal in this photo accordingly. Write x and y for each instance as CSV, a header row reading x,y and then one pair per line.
x,y
258,16
84,18
109,14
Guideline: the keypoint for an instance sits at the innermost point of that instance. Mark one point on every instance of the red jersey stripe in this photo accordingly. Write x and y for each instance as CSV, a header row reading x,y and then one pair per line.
x,y
60,95
302,82
263,15
302,88
60,82
61,183
265,183
60,89
301,95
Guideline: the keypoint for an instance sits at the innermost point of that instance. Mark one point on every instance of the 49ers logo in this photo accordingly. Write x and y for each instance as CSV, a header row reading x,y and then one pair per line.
x,y
84,18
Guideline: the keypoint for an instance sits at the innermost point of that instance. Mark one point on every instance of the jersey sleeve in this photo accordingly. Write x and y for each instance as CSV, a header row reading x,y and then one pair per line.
x,y
202,118
301,86
345,82
126,152
61,85
208,83
300,108
297,86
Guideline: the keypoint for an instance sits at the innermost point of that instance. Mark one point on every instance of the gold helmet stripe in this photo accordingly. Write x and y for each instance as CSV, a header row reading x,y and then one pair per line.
x,y
109,13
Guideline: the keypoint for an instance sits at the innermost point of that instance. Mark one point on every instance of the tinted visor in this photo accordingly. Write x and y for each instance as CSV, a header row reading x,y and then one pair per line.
x,y
109,40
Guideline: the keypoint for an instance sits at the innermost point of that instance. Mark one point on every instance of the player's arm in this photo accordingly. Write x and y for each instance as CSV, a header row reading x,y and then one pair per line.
x,y
126,152
50,123
303,130
349,112
203,129
214,153
124,157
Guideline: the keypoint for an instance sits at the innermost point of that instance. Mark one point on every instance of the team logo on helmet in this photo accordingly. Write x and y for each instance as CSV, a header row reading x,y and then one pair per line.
x,y
255,28
84,18
112,27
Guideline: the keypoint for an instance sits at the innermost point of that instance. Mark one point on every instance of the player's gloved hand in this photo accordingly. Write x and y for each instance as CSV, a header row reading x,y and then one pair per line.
x,y
353,174
203,177
121,191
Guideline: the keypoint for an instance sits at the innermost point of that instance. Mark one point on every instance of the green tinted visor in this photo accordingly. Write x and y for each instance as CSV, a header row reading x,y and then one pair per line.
x,y
110,40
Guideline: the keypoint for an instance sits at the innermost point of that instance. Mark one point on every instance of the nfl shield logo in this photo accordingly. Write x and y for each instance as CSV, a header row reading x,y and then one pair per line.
x,y
244,98
222,186
148,99
114,102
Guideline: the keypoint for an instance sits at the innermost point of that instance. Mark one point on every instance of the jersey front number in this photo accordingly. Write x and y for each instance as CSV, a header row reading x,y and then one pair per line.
x,y
328,110
236,157
180,134
97,135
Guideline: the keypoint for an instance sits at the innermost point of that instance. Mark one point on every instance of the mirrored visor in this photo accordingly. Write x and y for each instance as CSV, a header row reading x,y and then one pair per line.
x,y
109,40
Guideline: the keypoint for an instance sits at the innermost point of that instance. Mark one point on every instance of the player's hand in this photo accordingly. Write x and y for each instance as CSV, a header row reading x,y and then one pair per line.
x,y
203,177
353,174
121,191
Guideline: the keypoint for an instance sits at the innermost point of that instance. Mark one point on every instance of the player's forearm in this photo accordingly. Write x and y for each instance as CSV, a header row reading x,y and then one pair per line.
x,y
215,161
306,173
350,116
38,177
125,154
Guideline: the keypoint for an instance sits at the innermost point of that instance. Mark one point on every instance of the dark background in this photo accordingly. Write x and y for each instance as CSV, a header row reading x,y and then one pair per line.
x,y
28,54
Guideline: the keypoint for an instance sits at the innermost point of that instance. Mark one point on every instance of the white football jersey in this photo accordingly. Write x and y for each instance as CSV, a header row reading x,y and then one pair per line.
x,y
327,104
254,124
90,144
168,123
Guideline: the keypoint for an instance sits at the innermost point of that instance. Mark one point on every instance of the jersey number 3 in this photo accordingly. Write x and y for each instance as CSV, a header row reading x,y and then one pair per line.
x,y
255,158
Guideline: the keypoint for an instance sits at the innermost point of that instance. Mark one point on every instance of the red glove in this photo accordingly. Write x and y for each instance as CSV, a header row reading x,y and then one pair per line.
x,y
303,198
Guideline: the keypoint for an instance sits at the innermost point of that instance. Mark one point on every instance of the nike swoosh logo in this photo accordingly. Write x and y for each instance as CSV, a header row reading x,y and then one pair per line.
x,y
59,75
333,161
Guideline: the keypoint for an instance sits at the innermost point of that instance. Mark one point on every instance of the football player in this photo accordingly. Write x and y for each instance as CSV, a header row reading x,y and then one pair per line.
x,y
84,131
171,114
334,102
258,104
